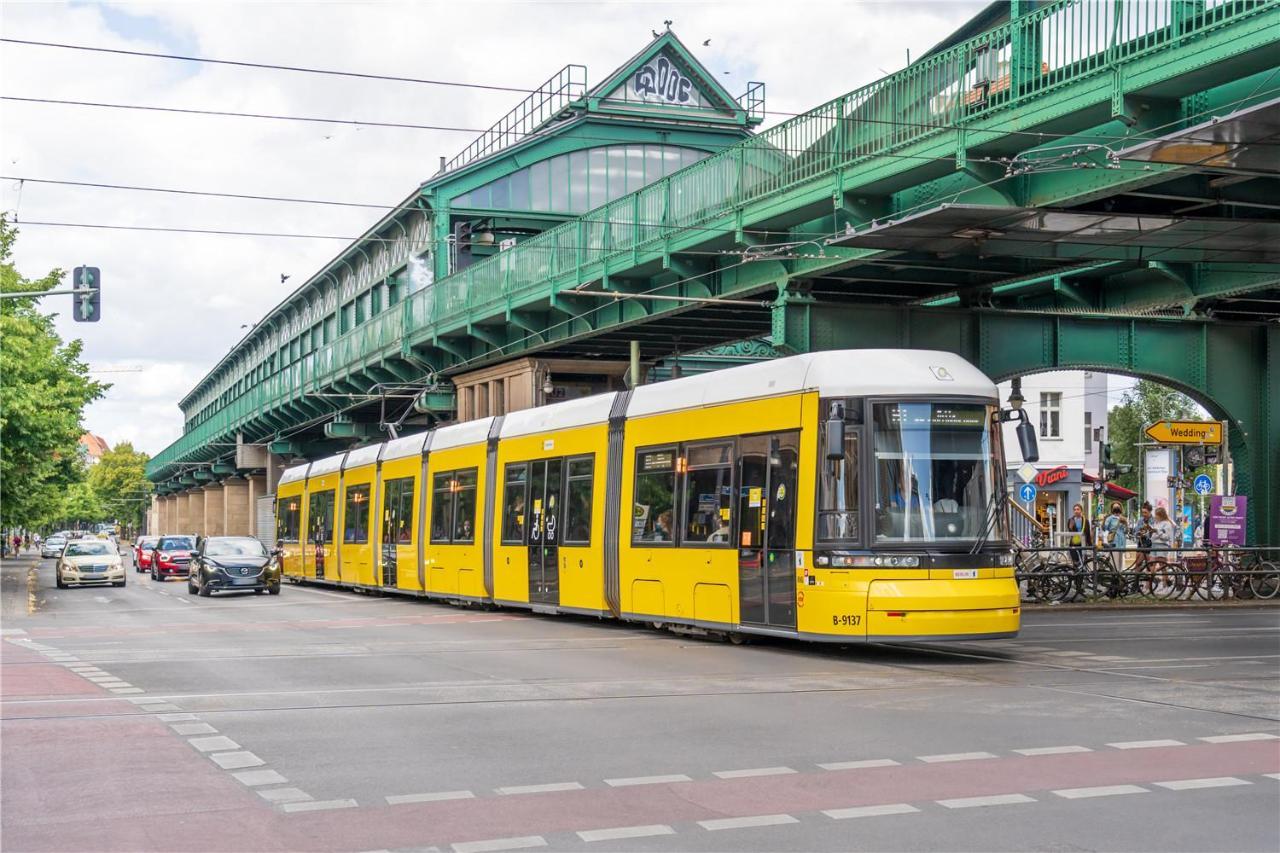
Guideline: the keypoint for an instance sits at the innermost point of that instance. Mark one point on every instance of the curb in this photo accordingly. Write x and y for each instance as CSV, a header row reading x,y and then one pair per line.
x,y
1155,605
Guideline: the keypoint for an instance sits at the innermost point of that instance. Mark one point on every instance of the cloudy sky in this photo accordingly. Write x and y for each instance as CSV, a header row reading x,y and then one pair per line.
x,y
174,303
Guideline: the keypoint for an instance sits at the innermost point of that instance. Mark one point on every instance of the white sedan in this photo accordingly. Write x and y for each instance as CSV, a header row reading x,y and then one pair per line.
x,y
86,561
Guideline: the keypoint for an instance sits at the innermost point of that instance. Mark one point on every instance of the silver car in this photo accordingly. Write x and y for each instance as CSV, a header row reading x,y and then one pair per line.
x,y
52,547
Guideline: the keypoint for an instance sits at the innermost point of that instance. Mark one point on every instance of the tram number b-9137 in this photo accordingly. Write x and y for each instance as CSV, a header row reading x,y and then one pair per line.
x,y
834,496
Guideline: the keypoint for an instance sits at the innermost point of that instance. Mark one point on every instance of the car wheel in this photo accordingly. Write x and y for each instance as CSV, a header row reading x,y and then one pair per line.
x,y
191,587
205,591
61,585
274,590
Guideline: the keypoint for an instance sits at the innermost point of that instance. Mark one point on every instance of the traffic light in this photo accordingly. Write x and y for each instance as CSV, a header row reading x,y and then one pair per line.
x,y
1193,457
1211,454
88,303
1106,454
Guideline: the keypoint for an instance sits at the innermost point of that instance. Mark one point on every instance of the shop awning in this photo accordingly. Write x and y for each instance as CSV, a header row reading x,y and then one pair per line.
x,y
1112,490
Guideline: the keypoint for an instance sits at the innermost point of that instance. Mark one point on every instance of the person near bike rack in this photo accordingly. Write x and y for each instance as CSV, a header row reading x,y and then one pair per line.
x,y
1163,534
1115,529
1079,525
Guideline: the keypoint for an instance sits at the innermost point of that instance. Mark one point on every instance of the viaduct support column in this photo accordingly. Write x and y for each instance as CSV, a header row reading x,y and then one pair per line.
x,y
214,503
236,510
196,511
257,489
183,513
162,514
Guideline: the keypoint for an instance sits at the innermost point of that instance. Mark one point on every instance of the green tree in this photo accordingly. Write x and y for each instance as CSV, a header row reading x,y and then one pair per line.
x,y
80,506
44,387
120,483
1145,403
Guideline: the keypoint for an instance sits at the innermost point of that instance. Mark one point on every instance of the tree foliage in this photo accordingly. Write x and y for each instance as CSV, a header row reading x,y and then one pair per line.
x,y
1145,403
120,483
44,387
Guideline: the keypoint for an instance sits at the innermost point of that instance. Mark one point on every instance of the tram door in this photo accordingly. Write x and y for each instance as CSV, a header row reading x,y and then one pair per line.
x,y
767,468
545,517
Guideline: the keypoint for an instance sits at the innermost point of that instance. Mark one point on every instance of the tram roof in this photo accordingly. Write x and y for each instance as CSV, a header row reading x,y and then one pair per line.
x,y
294,473
406,445
582,411
458,435
327,465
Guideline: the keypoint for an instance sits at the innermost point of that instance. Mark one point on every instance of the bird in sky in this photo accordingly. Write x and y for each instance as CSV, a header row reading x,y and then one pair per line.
x,y
707,43
655,33
283,278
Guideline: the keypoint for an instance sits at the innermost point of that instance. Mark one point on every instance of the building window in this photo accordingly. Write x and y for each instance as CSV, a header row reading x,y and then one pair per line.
x,y
355,519
1050,414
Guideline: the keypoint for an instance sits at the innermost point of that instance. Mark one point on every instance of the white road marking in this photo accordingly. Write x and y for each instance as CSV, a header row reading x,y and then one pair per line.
x,y
625,832
176,718
284,795
540,789
160,706
1211,782
755,771
746,822
11,632
1100,791
399,799
259,777
1069,654
236,760
1272,775
1145,744
193,728
1110,658
1052,750
319,805
955,756
870,811
495,844
647,780
1241,737
127,689
995,800
859,765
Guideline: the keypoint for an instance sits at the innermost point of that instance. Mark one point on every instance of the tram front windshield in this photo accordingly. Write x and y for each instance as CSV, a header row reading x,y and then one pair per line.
x,y
933,466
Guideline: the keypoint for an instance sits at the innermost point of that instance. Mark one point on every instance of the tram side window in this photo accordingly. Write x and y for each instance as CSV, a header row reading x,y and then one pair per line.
x,y
707,499
289,513
513,505
577,521
397,512
453,507
655,489
320,516
356,516
838,484
464,508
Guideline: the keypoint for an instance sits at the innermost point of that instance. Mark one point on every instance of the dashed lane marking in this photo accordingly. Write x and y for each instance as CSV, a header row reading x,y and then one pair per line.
x,y
995,800
435,797
955,756
176,718
755,771
625,832
1212,782
1240,737
1145,744
496,844
860,765
1272,775
236,760
1100,791
213,744
284,795
870,811
647,780
540,789
747,822
253,778
186,729
319,805
1052,750
126,690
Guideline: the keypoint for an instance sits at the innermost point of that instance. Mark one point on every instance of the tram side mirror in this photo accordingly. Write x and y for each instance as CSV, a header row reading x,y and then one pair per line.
x,y
1027,440
835,439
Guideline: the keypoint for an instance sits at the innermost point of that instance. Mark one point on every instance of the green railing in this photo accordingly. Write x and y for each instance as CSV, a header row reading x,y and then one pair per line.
x,y
1021,61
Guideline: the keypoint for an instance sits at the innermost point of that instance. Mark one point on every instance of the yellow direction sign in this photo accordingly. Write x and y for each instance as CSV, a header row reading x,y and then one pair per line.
x,y
1185,432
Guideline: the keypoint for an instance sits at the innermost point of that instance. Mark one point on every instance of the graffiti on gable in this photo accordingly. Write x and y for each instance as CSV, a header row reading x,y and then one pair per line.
x,y
660,80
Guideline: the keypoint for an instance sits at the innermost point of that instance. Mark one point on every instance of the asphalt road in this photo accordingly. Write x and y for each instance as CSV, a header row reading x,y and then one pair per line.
x,y
143,718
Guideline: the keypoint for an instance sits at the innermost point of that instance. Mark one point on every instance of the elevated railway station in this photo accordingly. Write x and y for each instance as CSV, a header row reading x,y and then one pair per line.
x,y
1070,184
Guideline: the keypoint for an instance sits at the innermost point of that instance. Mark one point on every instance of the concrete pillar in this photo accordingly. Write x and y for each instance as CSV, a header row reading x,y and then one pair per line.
x,y
275,467
257,488
236,511
162,510
195,512
214,507
182,514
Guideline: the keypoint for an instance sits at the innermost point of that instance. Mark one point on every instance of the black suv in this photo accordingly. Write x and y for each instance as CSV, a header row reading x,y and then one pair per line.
x,y
233,563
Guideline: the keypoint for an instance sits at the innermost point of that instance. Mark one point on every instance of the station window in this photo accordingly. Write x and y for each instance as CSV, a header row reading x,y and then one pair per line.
x,y
651,518
320,517
453,507
355,519
577,519
513,504
707,502
397,512
289,518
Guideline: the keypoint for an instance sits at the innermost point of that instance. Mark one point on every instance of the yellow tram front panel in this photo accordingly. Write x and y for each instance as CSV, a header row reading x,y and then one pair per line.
x,y
455,492
580,457
290,522
396,557
319,547
692,583
358,504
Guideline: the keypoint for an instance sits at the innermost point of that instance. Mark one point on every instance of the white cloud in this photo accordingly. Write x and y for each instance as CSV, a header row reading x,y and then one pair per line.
x,y
175,303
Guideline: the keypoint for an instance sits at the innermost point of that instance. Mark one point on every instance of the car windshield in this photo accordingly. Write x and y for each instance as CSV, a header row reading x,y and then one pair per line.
x,y
144,541
176,543
245,547
81,549
933,464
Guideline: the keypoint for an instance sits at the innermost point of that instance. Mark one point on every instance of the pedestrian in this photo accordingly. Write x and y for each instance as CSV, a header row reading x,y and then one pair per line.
x,y
1164,533
1082,532
17,544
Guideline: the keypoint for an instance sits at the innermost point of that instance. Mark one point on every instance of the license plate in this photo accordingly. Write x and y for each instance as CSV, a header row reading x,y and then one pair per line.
x,y
244,581
964,574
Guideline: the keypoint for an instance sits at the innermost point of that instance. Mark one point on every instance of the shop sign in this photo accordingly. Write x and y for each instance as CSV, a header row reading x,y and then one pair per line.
x,y
1051,476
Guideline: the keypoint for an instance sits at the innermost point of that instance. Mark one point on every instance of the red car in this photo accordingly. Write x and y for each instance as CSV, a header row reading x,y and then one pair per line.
x,y
172,556
142,551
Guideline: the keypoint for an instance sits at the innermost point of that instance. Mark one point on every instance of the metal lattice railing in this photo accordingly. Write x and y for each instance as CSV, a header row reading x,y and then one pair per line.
x,y
999,70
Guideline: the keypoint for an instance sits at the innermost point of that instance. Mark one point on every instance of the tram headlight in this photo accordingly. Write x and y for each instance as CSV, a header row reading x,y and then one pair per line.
x,y
897,561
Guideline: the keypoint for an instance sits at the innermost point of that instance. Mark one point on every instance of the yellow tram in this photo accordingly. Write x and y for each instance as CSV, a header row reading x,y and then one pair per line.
x,y
834,496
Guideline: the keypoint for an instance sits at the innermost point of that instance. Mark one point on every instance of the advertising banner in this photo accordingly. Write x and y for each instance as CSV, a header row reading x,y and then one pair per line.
x,y
1159,467
1227,519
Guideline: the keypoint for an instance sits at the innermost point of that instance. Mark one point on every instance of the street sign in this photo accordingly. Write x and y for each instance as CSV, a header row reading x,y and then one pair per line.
x,y
1027,492
1027,472
1185,432
1203,484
